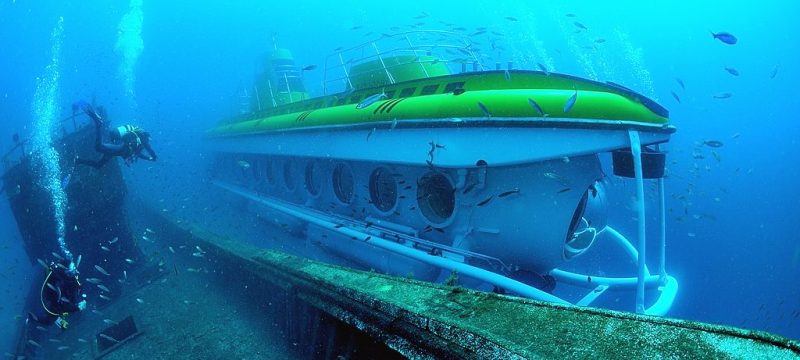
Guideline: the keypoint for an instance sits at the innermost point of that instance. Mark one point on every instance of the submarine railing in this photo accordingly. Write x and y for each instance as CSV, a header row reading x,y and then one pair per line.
x,y
448,41
668,288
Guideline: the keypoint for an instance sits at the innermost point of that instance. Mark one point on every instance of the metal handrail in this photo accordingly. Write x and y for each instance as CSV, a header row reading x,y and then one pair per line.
x,y
448,42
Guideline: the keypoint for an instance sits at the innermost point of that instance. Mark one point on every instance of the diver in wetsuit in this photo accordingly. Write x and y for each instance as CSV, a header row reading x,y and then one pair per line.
x,y
60,295
128,142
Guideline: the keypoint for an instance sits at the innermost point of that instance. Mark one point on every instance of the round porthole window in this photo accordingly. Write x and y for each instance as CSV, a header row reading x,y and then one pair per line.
x,y
288,175
343,183
312,179
383,189
436,197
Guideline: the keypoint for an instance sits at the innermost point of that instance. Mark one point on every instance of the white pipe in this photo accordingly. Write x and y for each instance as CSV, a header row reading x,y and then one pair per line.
x,y
636,150
438,261
662,262
626,245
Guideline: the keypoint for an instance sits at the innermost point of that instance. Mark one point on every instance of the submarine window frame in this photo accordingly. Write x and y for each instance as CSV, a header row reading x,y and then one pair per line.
x,y
384,204
407,92
288,176
340,170
432,216
267,171
312,183
453,86
429,90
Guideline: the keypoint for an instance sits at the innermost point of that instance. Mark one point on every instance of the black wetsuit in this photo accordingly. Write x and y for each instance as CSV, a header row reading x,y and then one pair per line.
x,y
131,147
64,299
52,304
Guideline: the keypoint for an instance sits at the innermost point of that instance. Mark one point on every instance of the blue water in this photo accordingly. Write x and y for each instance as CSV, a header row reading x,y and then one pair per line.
x,y
177,67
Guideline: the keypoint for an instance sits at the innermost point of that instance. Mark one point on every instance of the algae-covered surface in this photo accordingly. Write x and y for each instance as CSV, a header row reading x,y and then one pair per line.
x,y
533,329
486,324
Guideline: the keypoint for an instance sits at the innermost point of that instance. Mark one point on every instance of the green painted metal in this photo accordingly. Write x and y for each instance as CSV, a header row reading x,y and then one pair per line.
x,y
402,68
499,103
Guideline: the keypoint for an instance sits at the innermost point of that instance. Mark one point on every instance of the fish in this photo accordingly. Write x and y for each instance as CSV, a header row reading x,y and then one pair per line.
x,y
49,285
52,340
394,124
82,340
725,95
62,348
486,201
774,72
369,134
129,261
370,100
149,230
571,102
140,301
41,262
674,95
580,26
197,254
110,322
103,287
243,164
109,338
509,192
308,67
543,68
563,190
104,248
458,91
507,75
78,262
680,82
732,71
481,32
101,270
115,239
421,15
569,15
171,250
94,280
34,343
599,40
65,181
536,107
725,37
484,109
713,143
511,18
199,249
55,255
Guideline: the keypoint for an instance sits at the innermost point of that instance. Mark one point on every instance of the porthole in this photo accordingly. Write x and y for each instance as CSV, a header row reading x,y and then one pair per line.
x,y
383,189
288,175
343,183
436,198
312,179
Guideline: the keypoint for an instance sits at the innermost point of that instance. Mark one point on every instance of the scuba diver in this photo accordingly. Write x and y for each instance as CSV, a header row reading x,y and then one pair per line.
x,y
59,296
128,142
